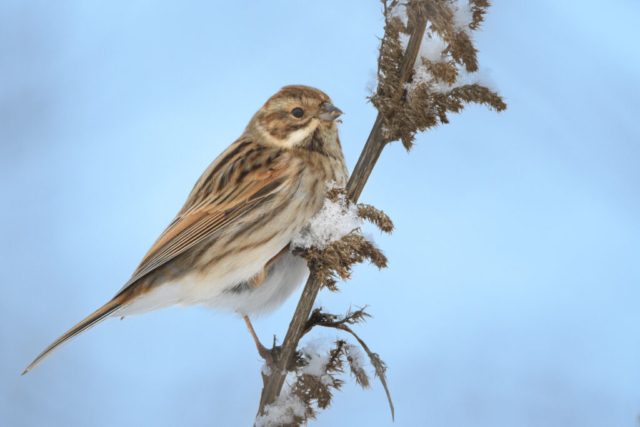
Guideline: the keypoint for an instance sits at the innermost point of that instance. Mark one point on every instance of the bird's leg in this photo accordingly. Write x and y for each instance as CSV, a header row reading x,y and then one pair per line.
x,y
256,281
262,350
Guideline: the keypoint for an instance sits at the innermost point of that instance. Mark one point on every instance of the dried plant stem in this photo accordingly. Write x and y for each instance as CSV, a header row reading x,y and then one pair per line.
x,y
368,159
373,148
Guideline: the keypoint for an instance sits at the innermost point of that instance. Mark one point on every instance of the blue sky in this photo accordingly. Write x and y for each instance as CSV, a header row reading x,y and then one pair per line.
x,y
512,289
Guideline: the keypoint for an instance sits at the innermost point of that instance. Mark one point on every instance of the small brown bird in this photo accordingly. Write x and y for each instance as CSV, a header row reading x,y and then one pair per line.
x,y
228,247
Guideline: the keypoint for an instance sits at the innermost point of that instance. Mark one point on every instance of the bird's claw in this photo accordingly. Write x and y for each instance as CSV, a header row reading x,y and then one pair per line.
x,y
265,353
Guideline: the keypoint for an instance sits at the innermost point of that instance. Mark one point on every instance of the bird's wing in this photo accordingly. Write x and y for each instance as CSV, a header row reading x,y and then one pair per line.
x,y
240,179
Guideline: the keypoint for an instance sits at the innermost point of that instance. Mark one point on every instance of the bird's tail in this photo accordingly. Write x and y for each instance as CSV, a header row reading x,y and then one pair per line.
x,y
97,317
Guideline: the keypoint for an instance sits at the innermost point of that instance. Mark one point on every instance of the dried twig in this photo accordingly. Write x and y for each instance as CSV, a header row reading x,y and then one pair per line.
x,y
318,318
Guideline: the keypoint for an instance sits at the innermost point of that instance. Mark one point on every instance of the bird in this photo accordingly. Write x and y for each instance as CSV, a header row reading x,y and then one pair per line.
x,y
228,248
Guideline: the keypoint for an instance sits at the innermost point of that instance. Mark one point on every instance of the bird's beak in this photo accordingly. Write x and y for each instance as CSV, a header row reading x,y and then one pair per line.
x,y
329,112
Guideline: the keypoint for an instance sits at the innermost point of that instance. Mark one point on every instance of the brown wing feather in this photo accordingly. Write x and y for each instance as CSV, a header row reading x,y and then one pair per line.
x,y
234,184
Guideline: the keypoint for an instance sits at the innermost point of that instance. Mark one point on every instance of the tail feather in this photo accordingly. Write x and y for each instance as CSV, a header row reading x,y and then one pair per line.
x,y
97,317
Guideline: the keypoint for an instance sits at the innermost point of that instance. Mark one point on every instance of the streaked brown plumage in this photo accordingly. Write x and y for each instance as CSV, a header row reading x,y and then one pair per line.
x,y
228,246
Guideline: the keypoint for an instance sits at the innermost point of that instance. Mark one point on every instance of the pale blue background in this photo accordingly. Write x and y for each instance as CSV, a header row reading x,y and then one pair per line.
x,y
512,293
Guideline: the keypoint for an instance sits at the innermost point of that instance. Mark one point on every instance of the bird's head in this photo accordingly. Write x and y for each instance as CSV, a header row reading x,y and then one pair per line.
x,y
298,117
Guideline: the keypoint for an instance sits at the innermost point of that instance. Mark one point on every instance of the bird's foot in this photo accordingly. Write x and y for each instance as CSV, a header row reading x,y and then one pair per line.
x,y
266,354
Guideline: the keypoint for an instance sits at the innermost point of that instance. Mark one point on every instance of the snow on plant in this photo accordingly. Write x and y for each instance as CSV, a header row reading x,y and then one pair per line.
x,y
319,364
337,218
333,243
287,409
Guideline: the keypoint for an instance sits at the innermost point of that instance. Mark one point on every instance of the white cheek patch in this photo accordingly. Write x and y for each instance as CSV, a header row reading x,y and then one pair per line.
x,y
300,135
294,138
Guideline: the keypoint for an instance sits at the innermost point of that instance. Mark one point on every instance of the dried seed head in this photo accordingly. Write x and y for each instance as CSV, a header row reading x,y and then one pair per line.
x,y
435,87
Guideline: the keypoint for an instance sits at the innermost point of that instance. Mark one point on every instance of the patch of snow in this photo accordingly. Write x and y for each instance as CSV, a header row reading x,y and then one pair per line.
x,y
334,221
462,15
282,411
399,11
355,356
265,370
420,76
317,361
431,48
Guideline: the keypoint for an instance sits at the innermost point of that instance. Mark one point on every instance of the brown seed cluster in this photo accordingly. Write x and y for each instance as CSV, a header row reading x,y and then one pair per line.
x,y
336,260
315,392
409,113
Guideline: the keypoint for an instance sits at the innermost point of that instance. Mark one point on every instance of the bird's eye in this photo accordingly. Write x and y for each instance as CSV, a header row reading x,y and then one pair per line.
x,y
297,112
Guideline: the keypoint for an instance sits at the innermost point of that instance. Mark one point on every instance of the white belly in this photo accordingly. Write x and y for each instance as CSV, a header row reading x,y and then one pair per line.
x,y
284,277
